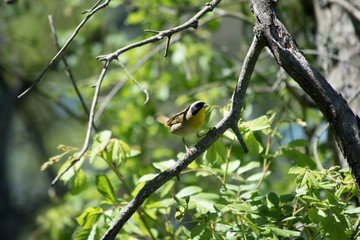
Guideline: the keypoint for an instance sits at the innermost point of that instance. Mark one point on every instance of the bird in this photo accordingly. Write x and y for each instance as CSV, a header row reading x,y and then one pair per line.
x,y
186,121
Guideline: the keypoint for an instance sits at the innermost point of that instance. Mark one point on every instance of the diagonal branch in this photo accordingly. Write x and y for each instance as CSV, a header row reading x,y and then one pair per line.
x,y
334,107
90,14
191,23
89,128
136,82
214,134
67,69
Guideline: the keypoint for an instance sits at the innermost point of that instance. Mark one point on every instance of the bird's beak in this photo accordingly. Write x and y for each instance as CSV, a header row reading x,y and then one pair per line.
x,y
206,105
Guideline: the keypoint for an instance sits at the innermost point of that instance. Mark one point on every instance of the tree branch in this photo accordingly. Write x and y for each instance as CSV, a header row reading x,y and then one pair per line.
x,y
334,107
230,120
191,23
90,124
93,10
67,69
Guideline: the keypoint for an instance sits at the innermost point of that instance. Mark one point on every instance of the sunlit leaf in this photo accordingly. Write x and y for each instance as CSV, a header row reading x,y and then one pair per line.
x,y
162,166
285,232
253,145
105,188
188,191
147,177
248,167
258,123
89,217
79,183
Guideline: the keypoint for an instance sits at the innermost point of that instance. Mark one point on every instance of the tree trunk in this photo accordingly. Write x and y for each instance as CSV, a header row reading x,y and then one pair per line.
x,y
342,120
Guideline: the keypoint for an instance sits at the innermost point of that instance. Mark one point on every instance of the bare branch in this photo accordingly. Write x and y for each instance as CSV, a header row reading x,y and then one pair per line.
x,y
90,124
136,82
214,134
91,13
67,68
191,23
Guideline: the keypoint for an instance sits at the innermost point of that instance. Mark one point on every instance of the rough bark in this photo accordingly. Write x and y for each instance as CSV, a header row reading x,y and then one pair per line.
x,y
334,107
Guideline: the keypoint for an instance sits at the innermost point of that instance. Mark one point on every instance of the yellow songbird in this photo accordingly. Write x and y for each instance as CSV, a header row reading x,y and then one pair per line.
x,y
187,121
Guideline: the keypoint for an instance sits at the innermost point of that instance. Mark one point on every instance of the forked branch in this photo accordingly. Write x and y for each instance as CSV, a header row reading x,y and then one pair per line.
x,y
91,12
191,23
229,121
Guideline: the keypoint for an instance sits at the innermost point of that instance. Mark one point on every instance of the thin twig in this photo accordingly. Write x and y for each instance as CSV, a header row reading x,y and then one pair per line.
x,y
214,134
67,68
93,7
136,82
167,46
119,85
235,129
91,13
90,124
191,23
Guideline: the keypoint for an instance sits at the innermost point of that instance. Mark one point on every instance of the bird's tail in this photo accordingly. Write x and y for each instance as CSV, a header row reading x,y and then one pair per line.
x,y
162,119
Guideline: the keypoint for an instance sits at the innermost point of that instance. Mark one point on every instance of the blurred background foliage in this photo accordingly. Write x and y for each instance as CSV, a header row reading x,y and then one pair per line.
x,y
202,64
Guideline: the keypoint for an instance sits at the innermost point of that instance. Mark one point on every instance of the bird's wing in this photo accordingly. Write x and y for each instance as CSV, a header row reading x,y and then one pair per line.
x,y
179,117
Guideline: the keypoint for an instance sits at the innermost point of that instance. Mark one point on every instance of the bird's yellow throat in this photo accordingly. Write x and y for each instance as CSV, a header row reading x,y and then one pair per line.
x,y
197,120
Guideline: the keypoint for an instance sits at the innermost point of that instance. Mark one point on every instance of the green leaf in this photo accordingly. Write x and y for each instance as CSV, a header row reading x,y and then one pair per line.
x,y
162,166
255,148
204,202
287,197
89,217
240,207
217,236
205,235
258,123
166,188
248,167
273,198
298,143
91,233
105,188
353,210
103,136
220,149
233,165
314,216
215,150
334,228
250,224
147,177
301,159
258,176
297,170
285,232
188,191
116,151
83,233
79,183
210,154
332,198
71,172
197,230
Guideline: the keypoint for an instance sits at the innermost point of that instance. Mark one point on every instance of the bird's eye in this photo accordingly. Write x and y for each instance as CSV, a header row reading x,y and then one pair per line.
x,y
196,108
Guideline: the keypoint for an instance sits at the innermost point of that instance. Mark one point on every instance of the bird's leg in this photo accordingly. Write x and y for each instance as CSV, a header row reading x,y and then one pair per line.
x,y
187,149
